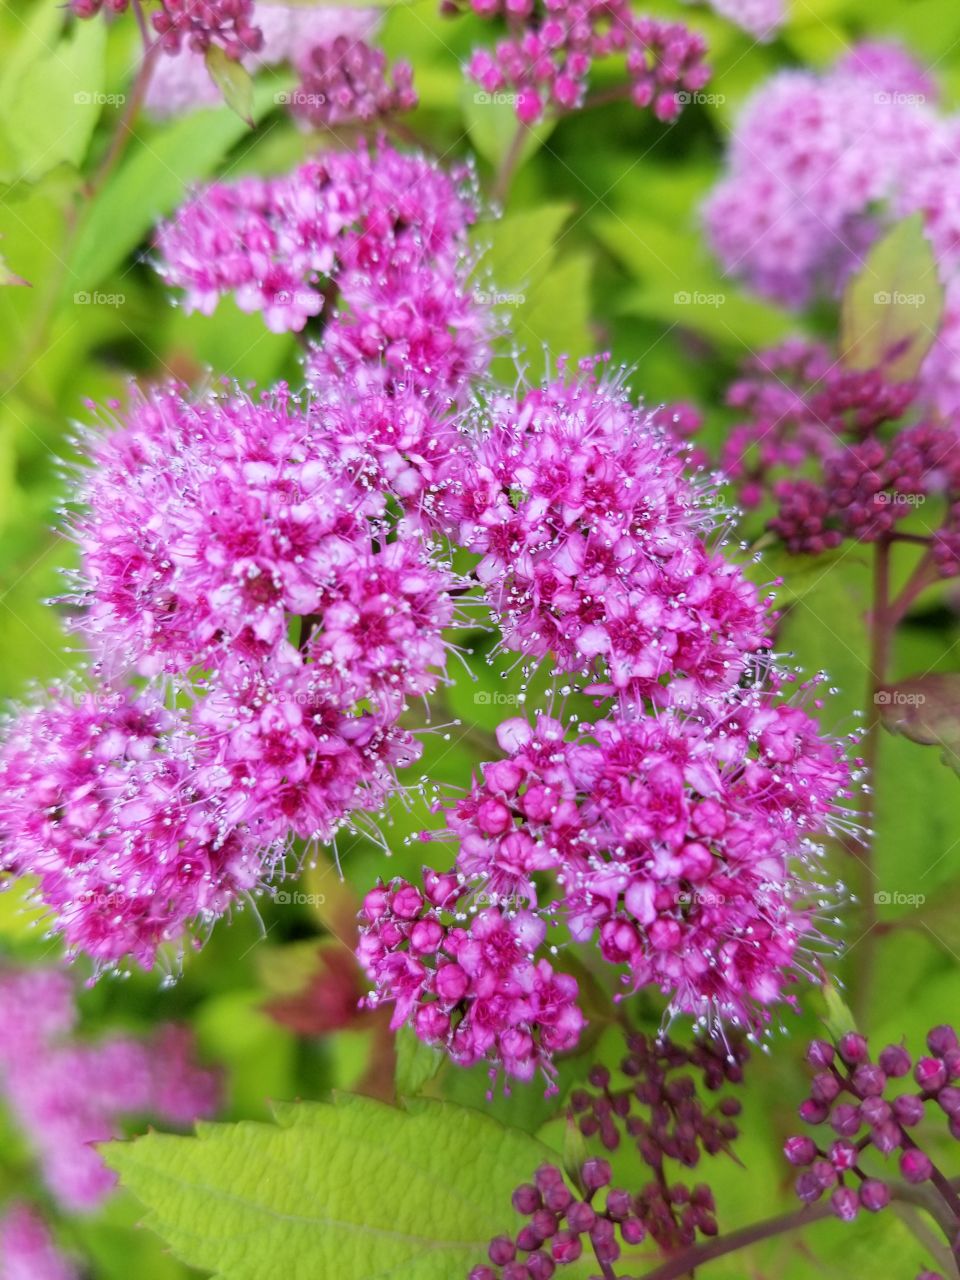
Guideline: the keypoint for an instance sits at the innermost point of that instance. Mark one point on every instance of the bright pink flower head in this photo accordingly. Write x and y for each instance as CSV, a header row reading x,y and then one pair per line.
x,y
348,81
592,545
674,840
100,801
478,988
68,1094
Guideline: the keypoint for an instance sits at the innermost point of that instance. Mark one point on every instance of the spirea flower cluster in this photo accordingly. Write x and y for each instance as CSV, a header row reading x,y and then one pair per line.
x,y
230,558
544,64
68,1094
27,1249
593,545
374,239
827,447
868,1114
820,164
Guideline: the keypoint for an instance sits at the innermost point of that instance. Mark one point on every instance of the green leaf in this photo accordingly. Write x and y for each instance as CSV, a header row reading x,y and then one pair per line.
x,y
925,709
891,309
233,80
51,107
417,1063
356,1190
491,121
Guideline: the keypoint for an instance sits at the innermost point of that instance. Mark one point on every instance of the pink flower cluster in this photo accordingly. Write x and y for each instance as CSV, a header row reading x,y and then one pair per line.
x,y
476,988
195,24
683,842
346,81
593,545
68,1094
545,63
28,1251
226,549
823,444
180,82
820,164
378,238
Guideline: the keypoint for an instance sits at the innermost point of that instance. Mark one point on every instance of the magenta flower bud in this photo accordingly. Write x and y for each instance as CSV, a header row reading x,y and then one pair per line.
x,y
595,1174
581,1217
853,1049
942,1040
565,1247
407,902
800,1150
825,1173
632,1231
619,1204
824,1087
813,1112
869,1080
949,1099
502,1250
845,1203
526,1199
915,1166
431,1023
540,1266
376,903
908,1109
438,887
809,1187
558,1199
895,1061
875,1111
515,1271
426,936
450,983
529,1239
483,1273
820,1053
843,1155
930,1074
544,1223
886,1137
845,1119
547,1177
874,1195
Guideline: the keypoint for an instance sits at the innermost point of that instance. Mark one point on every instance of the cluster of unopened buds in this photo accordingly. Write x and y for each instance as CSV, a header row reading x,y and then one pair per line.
x,y
545,62
348,81
194,24
868,1113
660,1110
563,1223
827,446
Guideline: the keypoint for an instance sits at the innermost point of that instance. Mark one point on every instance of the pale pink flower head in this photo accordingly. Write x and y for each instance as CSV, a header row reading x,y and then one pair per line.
x,y
28,1250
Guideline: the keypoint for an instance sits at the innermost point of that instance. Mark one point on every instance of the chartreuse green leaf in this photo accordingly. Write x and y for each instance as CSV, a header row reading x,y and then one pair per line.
x,y
51,107
892,306
233,80
353,1189
417,1063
